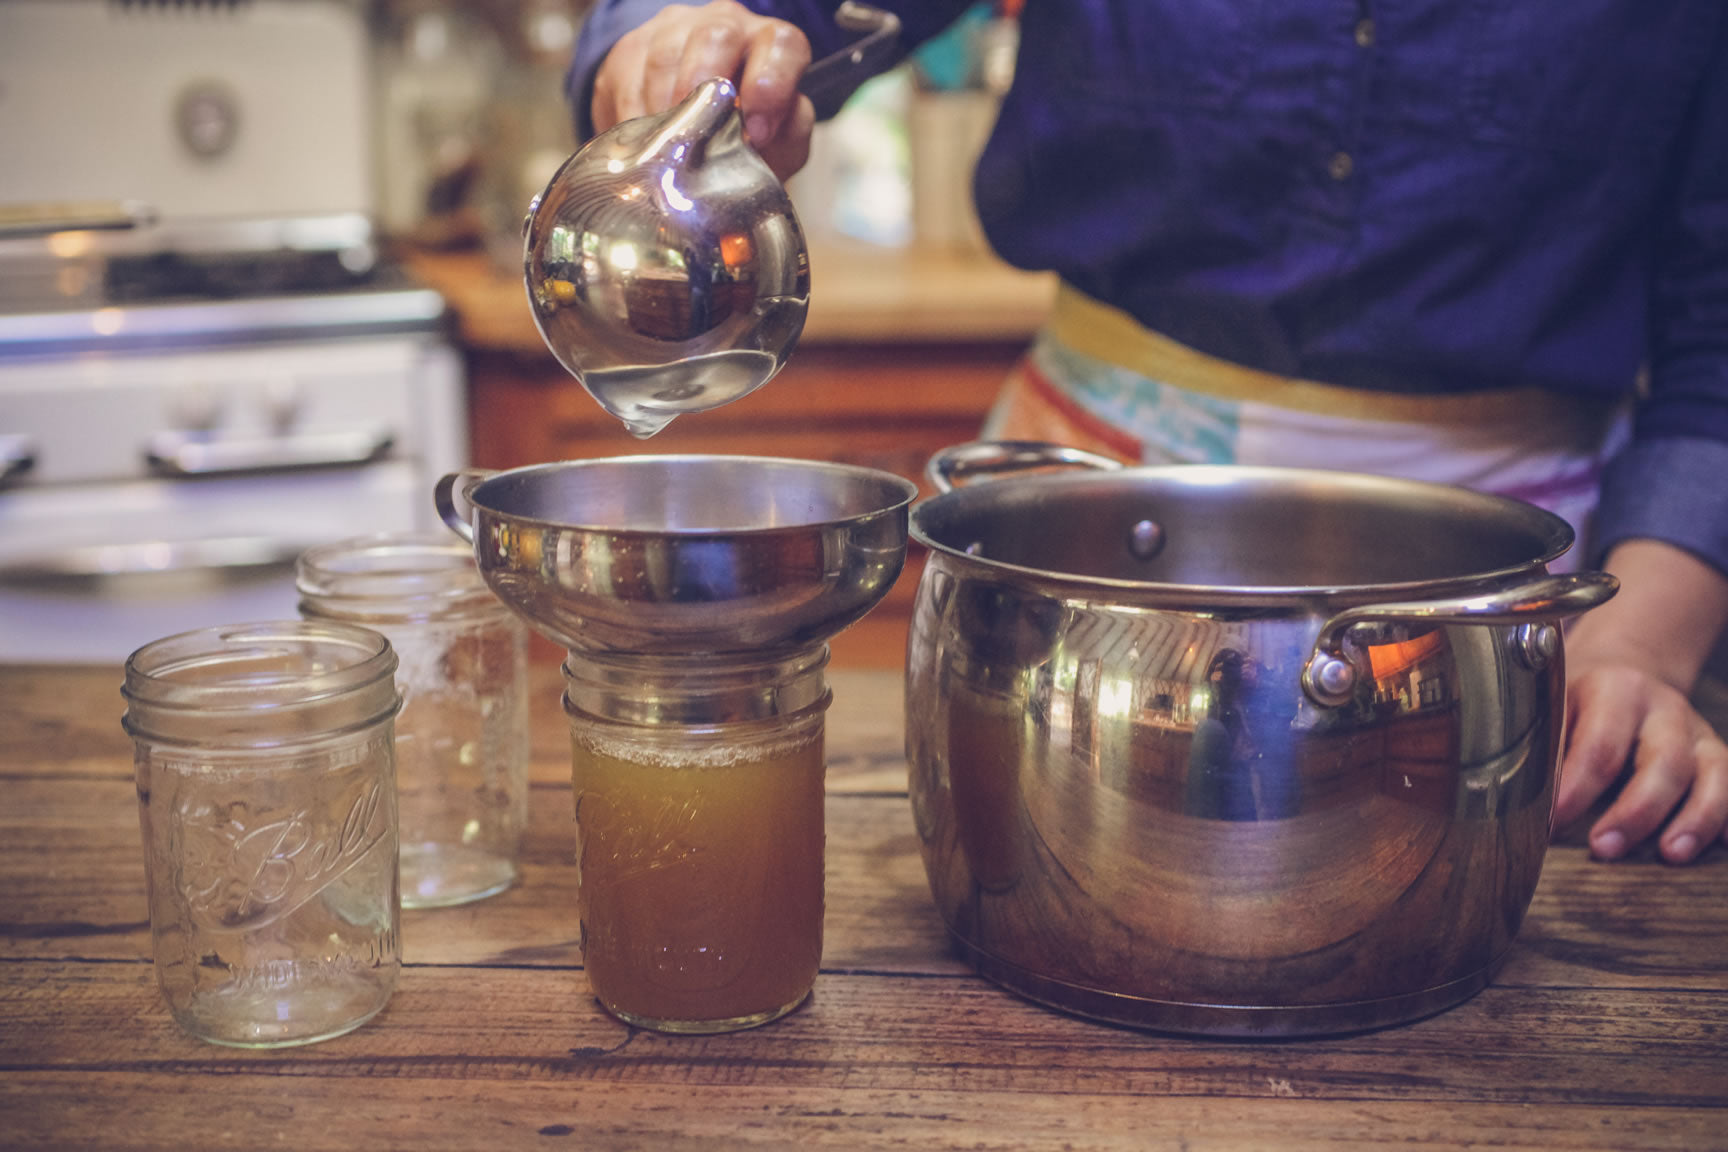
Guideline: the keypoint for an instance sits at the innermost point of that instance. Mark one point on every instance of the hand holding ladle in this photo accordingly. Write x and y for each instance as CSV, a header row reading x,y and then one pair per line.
x,y
664,264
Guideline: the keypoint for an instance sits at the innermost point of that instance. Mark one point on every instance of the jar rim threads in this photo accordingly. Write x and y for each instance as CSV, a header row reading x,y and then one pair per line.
x,y
264,684
698,690
395,576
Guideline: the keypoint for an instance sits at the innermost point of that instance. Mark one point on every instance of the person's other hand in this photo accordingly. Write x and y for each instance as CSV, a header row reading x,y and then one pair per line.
x,y
1630,665
653,67
1679,764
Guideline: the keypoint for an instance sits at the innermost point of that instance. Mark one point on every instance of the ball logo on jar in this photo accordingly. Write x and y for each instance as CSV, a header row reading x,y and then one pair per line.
x,y
243,875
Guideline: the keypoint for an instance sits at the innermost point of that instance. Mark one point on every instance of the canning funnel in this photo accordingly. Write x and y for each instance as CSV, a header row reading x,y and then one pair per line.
x,y
684,555
664,264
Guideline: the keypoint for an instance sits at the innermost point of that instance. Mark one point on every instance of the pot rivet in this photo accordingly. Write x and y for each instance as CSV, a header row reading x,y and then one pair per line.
x,y
1145,539
976,548
1537,645
1329,679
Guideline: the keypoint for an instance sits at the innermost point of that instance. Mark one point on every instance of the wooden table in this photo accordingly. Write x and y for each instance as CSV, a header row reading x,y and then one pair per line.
x,y
1607,1029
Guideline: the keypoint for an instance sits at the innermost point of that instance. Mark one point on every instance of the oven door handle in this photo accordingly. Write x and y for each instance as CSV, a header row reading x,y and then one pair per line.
x,y
17,456
151,557
184,454
44,219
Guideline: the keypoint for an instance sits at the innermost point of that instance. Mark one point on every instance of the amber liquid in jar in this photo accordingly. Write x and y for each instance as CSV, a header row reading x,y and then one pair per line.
x,y
700,871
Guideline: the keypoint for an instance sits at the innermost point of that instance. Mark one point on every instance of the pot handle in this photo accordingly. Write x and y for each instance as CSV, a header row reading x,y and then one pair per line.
x,y
1329,678
451,496
960,464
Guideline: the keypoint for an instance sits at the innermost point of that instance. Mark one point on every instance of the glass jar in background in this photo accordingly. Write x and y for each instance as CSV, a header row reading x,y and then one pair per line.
x,y
462,736
266,799
530,129
437,63
700,835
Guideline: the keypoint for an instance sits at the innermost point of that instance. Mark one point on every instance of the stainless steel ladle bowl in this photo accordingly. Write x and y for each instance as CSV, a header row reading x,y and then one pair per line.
x,y
664,263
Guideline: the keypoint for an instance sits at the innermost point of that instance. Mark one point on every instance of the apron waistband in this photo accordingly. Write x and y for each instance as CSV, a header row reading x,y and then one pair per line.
x,y
1102,332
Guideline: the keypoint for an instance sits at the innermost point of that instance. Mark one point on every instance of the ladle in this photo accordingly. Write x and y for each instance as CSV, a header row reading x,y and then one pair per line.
x,y
665,266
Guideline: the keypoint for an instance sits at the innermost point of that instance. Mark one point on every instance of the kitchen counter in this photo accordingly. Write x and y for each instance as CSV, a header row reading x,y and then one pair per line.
x,y
859,293
1608,1027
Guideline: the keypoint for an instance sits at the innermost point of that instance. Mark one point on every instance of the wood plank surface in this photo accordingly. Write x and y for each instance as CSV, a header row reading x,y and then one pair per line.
x,y
1607,1029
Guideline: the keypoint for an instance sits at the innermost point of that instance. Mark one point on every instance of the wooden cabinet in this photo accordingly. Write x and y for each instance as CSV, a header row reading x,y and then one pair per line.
x,y
885,406
902,356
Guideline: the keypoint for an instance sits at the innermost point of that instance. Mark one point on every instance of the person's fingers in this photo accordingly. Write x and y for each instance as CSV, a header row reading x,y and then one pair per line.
x,y
1604,709
768,96
663,61
713,49
618,84
645,72
1704,816
789,150
654,66
1664,764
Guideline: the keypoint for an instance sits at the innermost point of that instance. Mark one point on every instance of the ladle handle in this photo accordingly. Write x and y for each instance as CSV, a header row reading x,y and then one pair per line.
x,y
451,496
962,463
829,81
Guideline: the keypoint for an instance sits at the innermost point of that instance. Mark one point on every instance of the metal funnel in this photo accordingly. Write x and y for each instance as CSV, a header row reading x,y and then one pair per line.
x,y
684,554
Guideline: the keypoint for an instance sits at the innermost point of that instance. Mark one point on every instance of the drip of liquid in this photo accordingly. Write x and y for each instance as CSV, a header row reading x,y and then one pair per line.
x,y
647,399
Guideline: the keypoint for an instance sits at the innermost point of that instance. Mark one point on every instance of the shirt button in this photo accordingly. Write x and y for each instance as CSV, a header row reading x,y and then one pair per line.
x,y
1365,33
1340,166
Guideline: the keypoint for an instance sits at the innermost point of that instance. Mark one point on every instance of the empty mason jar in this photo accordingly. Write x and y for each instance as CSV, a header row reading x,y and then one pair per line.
x,y
266,798
462,736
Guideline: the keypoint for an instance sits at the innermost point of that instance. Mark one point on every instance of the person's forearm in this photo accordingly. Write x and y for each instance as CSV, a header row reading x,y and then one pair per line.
x,y
609,20
1667,617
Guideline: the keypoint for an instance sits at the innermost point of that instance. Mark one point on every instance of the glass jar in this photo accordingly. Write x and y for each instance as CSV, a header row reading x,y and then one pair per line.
x,y
699,823
462,736
267,803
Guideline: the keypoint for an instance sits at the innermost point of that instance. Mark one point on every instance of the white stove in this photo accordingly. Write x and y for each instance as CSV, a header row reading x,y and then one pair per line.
x,y
204,367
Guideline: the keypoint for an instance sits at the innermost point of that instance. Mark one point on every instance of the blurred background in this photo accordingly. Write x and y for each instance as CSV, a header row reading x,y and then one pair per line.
x,y
472,124
261,286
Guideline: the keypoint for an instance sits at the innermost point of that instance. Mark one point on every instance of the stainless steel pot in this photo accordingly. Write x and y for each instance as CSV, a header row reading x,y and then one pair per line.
x,y
1233,751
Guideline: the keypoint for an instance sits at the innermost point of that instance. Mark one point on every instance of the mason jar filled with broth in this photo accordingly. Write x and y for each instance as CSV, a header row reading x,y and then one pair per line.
x,y
699,818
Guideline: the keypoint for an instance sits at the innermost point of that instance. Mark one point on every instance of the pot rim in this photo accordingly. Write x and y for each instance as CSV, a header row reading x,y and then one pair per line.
x,y
1555,533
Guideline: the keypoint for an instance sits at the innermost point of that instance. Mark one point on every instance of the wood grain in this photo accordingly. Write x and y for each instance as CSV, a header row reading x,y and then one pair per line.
x,y
1608,1028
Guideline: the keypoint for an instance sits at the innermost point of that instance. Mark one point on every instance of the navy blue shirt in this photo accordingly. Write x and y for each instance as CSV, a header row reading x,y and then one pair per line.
x,y
1405,195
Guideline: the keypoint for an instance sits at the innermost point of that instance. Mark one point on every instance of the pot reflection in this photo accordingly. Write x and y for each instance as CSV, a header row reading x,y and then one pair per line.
x,y
1142,817
1239,755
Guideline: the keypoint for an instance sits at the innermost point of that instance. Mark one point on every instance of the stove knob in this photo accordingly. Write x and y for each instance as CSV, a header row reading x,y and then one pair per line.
x,y
283,403
196,406
208,116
